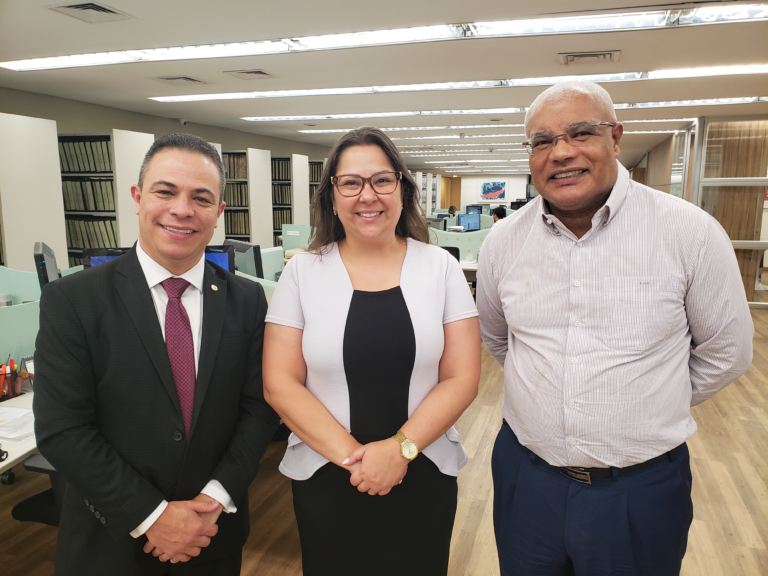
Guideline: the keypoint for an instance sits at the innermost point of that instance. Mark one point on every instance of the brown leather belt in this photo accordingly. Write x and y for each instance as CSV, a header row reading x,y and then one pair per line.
x,y
586,475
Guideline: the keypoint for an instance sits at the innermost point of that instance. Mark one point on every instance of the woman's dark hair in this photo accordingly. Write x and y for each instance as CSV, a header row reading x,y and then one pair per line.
x,y
500,212
328,228
452,210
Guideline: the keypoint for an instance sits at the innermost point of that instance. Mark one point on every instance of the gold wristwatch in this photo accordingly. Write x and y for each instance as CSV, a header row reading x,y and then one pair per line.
x,y
408,448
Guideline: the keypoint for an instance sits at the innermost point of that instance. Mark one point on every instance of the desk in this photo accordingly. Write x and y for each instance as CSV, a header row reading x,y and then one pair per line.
x,y
470,271
18,451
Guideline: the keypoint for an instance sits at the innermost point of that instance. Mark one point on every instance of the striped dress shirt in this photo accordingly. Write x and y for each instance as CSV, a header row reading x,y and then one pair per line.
x,y
607,340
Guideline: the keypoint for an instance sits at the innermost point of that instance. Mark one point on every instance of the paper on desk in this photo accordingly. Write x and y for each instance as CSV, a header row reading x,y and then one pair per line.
x,y
16,423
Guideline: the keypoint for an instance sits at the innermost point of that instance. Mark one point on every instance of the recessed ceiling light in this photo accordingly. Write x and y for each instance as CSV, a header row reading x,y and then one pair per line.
x,y
461,32
474,84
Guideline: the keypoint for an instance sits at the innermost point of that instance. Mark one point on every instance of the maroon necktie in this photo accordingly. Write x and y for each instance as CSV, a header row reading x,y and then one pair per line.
x,y
181,350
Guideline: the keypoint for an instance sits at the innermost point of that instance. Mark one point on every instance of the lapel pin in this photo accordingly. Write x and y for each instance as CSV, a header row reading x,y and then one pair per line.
x,y
214,287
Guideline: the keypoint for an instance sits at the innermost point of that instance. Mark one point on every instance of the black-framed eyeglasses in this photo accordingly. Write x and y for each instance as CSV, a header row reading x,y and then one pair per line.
x,y
577,135
352,184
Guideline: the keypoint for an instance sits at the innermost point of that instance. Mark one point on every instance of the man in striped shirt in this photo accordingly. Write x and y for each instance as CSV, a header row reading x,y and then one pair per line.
x,y
613,308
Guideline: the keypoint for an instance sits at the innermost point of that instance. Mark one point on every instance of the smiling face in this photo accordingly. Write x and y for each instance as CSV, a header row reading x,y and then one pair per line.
x,y
575,179
368,216
178,208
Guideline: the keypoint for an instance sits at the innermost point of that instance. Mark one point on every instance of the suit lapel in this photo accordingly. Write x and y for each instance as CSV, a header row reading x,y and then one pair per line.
x,y
214,310
131,285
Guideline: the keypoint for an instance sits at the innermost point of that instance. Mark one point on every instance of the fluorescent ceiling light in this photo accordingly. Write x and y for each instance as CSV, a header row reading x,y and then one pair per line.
x,y
702,102
328,117
456,136
430,146
471,160
407,128
473,85
384,114
505,29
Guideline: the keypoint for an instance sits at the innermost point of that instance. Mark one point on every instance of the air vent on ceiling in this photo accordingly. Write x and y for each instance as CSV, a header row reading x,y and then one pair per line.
x,y
179,80
250,74
589,57
92,12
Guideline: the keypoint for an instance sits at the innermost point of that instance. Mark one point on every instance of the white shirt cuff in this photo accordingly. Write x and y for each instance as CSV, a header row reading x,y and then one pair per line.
x,y
144,526
215,490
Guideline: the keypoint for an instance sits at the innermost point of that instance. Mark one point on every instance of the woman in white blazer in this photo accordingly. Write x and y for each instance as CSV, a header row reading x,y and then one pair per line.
x,y
371,354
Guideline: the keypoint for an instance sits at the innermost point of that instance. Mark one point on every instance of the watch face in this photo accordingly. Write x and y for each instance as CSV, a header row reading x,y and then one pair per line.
x,y
409,450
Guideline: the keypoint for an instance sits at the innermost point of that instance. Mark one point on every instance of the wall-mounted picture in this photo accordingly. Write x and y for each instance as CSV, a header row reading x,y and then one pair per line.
x,y
493,190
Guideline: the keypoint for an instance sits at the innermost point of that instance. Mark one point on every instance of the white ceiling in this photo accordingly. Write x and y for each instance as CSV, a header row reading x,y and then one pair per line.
x,y
29,29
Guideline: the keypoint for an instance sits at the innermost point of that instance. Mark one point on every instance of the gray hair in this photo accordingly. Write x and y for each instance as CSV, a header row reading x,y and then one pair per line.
x,y
574,88
187,143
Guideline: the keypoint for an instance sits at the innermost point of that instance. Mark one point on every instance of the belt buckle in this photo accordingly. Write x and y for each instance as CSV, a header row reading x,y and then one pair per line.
x,y
576,474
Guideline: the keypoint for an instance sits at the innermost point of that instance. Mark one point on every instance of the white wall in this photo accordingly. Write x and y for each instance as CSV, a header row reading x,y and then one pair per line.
x,y
300,188
471,185
260,201
129,149
31,201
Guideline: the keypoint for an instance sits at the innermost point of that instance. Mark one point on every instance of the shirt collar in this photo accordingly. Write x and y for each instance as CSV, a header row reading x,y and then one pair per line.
x,y
155,274
607,211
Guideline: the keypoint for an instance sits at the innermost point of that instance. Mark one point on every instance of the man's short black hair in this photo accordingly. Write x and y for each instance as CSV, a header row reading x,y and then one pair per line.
x,y
188,143
500,212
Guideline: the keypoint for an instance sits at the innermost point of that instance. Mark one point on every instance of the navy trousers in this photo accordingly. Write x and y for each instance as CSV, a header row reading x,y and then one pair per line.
x,y
545,523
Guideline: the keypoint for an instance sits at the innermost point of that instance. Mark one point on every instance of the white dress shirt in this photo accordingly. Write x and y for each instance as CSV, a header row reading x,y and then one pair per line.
x,y
607,340
192,300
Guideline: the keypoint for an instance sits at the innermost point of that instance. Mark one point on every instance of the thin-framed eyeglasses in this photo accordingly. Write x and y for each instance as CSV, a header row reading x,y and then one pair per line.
x,y
577,135
352,184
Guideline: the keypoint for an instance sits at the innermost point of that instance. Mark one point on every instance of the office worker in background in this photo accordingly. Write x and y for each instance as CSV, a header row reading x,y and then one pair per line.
x,y
452,211
498,214
613,308
372,352
148,392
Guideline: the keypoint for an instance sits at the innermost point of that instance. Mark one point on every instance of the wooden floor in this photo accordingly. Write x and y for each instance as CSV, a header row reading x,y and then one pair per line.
x,y
730,491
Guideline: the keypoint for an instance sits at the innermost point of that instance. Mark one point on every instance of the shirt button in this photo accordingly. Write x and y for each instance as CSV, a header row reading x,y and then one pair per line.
x,y
577,283
178,436
98,515
574,360
578,244
87,503
92,508
571,402
577,323
573,441
103,520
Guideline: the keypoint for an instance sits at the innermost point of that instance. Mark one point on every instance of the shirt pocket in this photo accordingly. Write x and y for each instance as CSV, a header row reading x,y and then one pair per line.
x,y
639,311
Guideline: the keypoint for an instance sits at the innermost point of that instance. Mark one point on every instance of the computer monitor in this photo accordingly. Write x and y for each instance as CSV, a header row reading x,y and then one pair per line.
x,y
531,191
437,223
469,222
474,209
517,204
442,215
247,257
224,256
45,264
97,256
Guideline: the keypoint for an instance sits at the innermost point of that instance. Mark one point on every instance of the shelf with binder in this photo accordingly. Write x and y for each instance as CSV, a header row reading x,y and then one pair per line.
x,y
236,195
282,196
87,188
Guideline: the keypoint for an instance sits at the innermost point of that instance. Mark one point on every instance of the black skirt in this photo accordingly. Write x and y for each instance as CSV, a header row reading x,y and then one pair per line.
x,y
405,533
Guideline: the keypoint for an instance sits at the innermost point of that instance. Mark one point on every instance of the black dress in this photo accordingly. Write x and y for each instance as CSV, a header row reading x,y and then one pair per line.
x,y
408,531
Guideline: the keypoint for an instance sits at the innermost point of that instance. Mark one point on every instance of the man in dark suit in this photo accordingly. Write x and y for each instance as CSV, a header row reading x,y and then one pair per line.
x,y
148,392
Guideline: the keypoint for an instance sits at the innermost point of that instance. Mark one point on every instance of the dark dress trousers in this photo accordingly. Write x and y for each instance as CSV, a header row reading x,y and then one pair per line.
x,y
107,414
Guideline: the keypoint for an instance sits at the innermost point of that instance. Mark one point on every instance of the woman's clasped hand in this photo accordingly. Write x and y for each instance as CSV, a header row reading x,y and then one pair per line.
x,y
377,467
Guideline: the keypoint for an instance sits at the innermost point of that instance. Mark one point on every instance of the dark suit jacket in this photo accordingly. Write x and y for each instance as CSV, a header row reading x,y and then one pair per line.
x,y
107,414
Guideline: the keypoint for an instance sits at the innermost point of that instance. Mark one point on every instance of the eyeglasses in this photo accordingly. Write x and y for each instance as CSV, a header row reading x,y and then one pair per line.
x,y
578,135
352,184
